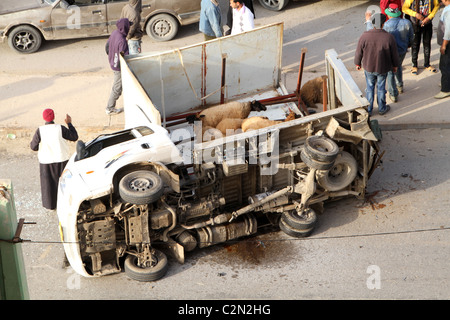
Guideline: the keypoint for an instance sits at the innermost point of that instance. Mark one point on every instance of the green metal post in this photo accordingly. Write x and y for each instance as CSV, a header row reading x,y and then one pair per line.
x,y
13,281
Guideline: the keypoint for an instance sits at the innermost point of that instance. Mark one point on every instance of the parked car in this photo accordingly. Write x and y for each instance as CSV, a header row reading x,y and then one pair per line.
x,y
25,23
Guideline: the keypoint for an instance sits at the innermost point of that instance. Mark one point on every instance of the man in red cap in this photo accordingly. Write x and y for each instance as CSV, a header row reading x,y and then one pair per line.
x,y
384,4
50,140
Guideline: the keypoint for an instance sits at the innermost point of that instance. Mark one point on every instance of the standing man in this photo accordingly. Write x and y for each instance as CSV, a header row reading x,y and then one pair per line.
x,y
443,39
132,11
118,45
243,18
421,13
50,140
248,4
210,19
403,32
378,53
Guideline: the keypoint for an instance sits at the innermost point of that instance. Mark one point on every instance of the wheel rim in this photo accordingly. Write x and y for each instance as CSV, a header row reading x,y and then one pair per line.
x,y
140,184
322,145
162,28
24,41
151,263
338,170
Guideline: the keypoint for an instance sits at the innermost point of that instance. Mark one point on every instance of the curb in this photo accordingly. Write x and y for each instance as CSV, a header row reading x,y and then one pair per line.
x,y
408,126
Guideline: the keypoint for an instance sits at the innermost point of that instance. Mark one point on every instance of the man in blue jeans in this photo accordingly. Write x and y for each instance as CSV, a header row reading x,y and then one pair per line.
x,y
377,53
403,32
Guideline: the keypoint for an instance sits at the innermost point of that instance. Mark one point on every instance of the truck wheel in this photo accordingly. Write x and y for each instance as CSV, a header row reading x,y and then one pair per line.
x,y
315,164
141,187
162,27
154,272
305,221
275,5
25,39
321,148
340,175
296,233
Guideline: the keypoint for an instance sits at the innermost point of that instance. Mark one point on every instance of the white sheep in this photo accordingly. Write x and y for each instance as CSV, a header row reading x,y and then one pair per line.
x,y
230,125
235,109
255,123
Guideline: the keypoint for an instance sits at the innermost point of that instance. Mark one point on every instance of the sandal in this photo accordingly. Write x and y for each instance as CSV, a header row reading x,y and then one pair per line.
x,y
414,70
431,69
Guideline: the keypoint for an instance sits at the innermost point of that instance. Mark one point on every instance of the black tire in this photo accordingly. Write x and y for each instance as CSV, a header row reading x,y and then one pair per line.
x,y
141,187
321,148
294,232
315,164
274,5
342,173
152,273
306,221
162,27
25,39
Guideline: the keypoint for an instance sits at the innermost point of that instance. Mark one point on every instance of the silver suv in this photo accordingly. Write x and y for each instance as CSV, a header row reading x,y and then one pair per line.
x,y
25,23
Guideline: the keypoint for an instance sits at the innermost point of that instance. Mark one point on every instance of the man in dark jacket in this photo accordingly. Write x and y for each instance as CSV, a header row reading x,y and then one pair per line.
x,y
118,45
378,53
132,11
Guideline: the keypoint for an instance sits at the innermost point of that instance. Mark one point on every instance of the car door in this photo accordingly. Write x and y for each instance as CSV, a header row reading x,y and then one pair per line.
x,y
79,19
114,9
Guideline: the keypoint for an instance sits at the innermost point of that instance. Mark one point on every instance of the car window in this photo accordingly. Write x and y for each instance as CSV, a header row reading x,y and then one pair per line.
x,y
108,141
85,2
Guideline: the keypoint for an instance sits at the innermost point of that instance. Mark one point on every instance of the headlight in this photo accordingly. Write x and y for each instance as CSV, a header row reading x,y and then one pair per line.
x,y
65,177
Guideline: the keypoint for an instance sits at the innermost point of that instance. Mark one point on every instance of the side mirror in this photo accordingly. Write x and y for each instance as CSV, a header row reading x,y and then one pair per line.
x,y
81,150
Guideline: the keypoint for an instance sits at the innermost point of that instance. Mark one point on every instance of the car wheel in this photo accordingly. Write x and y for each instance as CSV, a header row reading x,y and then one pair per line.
x,y
141,187
162,27
155,271
340,175
275,5
25,39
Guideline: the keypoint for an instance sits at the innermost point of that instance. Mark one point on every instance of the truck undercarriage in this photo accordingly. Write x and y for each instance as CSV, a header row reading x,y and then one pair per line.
x,y
183,207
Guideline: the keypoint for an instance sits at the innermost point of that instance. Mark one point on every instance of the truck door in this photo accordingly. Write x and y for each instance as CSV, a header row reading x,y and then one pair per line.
x,y
79,19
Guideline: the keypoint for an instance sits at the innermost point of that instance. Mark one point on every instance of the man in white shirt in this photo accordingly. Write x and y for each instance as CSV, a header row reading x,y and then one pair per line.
x,y
243,19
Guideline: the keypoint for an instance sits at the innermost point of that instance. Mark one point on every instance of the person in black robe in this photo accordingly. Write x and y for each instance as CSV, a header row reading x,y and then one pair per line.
x,y
50,140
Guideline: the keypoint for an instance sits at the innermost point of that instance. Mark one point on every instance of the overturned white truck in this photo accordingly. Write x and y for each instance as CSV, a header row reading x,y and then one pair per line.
x,y
165,184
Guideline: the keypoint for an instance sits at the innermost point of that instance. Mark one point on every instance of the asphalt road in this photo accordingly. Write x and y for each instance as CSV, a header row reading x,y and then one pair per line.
x,y
393,246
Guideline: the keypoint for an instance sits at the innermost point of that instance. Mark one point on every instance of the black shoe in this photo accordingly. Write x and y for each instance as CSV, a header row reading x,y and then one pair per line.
x,y
385,110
